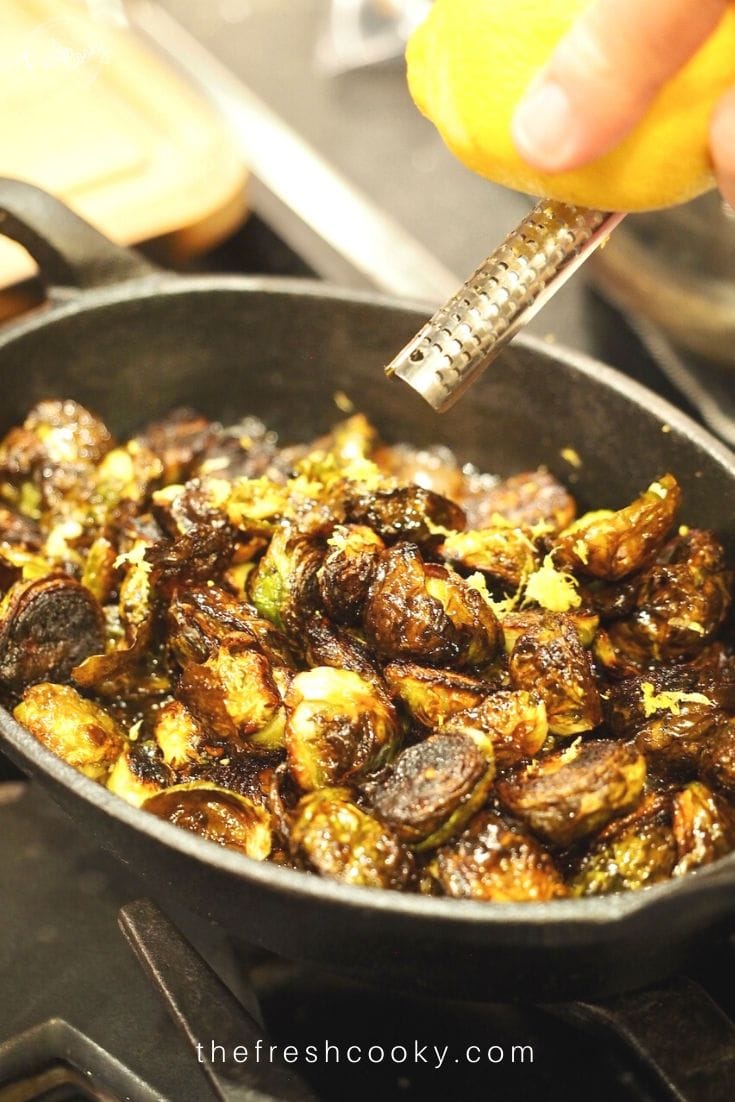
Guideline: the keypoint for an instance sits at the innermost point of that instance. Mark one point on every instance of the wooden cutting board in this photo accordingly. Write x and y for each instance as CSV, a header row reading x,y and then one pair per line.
x,y
90,113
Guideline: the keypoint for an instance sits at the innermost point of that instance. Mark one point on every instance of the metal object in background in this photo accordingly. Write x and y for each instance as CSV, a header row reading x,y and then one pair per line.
x,y
675,269
466,334
708,387
366,32
658,1025
205,1010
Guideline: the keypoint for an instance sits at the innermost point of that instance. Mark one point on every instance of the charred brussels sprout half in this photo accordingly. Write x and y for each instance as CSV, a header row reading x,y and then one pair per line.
x,y
347,570
506,555
139,773
427,613
216,814
48,463
630,853
234,695
496,860
408,513
433,696
549,659
569,794
526,500
339,726
612,545
75,729
47,627
283,587
432,789
332,836
681,602
514,722
704,827
368,660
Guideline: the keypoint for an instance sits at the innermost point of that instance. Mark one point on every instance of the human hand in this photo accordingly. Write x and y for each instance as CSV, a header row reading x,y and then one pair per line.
x,y
604,75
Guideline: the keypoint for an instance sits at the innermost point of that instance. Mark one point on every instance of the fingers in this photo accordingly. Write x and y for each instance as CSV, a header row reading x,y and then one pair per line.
x,y
723,146
604,75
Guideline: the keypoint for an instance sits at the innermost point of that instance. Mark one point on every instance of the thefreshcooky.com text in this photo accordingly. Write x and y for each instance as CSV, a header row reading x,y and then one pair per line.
x,y
327,1052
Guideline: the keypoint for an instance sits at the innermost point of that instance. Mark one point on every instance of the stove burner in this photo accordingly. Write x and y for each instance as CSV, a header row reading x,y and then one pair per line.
x,y
79,1019
58,1083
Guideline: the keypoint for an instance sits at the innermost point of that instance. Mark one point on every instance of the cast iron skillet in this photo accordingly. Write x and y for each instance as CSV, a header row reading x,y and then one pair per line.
x,y
132,342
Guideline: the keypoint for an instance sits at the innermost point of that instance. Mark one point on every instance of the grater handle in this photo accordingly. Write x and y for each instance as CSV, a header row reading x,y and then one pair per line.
x,y
502,296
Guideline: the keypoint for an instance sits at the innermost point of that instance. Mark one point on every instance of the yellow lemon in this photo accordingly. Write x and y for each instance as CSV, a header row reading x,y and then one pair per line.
x,y
471,61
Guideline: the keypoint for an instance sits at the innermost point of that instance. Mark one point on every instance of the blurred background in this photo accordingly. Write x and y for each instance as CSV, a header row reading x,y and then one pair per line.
x,y
278,136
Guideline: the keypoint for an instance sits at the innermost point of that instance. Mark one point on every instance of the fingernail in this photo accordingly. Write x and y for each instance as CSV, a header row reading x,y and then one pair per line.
x,y
545,127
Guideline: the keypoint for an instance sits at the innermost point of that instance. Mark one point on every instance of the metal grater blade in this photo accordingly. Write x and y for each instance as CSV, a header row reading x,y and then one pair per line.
x,y
502,296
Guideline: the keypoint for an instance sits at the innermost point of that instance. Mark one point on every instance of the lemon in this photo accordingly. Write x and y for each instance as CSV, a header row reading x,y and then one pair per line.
x,y
471,61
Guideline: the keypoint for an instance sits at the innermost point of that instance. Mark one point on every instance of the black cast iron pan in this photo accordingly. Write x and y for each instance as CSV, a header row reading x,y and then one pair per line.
x,y
132,342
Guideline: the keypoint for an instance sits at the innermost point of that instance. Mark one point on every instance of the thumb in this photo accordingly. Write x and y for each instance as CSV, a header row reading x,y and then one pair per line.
x,y
723,146
604,75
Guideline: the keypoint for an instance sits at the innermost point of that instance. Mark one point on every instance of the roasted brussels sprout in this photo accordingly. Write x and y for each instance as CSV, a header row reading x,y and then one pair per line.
x,y
515,722
496,860
243,450
205,551
181,510
339,726
549,659
629,853
19,530
704,827
433,696
629,704
527,500
178,440
347,571
178,736
252,774
570,794
610,600
681,602
201,617
425,612
139,773
506,555
333,837
49,462
325,644
99,574
717,762
679,730
612,545
434,468
283,587
75,729
234,695
124,480
407,514
47,627
216,814
432,789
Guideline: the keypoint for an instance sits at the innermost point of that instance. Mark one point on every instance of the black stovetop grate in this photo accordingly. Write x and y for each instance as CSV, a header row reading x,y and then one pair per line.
x,y
75,998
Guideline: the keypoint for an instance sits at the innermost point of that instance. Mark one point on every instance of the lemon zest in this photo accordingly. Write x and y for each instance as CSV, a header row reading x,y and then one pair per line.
x,y
552,589
668,701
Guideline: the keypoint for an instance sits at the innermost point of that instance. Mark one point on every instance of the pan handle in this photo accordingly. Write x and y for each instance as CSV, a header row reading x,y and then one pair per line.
x,y
69,252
